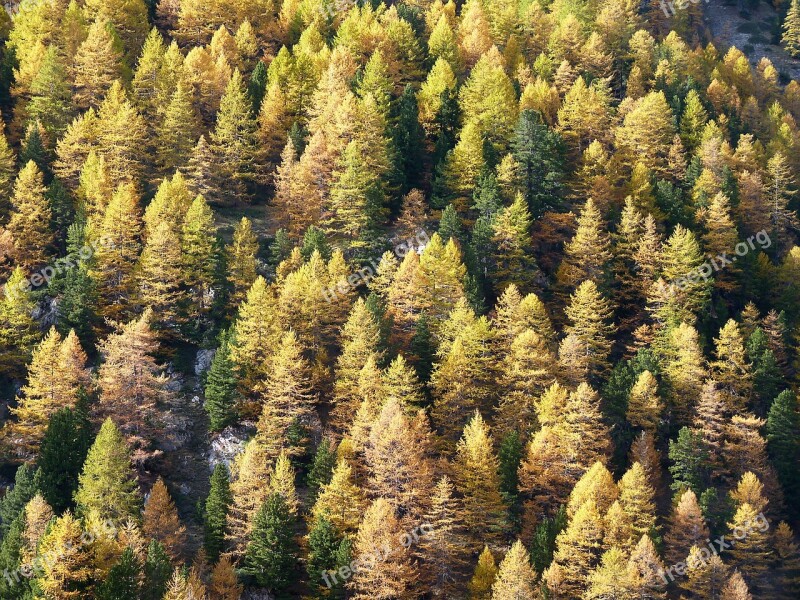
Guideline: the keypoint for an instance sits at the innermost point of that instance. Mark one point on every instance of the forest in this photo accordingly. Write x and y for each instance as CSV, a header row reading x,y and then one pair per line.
x,y
398,300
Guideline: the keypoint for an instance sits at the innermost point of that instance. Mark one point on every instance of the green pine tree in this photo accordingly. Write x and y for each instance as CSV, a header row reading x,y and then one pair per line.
x,y
157,571
62,453
220,390
15,499
122,581
271,555
321,468
324,552
216,511
783,443
791,30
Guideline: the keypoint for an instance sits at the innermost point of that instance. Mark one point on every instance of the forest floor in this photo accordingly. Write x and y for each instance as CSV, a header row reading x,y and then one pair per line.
x,y
756,32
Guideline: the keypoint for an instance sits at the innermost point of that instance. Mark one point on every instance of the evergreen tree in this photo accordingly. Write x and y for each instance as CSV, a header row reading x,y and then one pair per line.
x,y
270,557
538,158
324,545
122,581
783,438
791,30
157,571
62,453
107,486
321,467
220,386
13,502
50,105
216,511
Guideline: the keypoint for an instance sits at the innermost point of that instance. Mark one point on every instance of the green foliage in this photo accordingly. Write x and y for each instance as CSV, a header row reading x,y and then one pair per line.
x,y
122,582
544,539
689,457
157,571
321,468
215,512
62,453
13,502
220,388
271,555
783,444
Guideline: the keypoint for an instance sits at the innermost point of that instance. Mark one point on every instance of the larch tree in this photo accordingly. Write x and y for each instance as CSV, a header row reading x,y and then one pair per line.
x,y
115,260
241,260
199,260
234,140
396,456
477,480
107,486
637,499
515,576
29,224
588,254
178,131
480,585
731,369
341,500
360,343
56,375
512,249
249,490
288,399
584,352
130,381
644,404
791,30
391,572
160,277
224,584
577,552
687,527
161,522
72,574
97,65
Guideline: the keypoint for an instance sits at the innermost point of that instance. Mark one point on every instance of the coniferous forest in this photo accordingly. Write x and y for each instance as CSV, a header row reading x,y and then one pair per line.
x,y
349,299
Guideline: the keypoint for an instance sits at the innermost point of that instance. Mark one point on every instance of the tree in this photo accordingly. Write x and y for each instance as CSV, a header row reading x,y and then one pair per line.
x,y
224,585
160,278
646,132
130,381
50,104
115,260
539,162
270,557
249,491
480,586
200,261
731,368
157,571
325,547
241,254
577,552
637,499
129,18
588,254
644,404
220,386
234,140
512,251
61,455
783,442
120,132
29,224
360,340
341,501
13,503
55,376
477,479
177,132
287,398
71,575
216,511
687,528
107,486
161,521
392,572
791,30
589,313
515,577
97,64
122,581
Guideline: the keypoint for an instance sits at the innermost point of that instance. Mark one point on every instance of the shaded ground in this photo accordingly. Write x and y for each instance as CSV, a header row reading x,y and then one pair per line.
x,y
756,32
